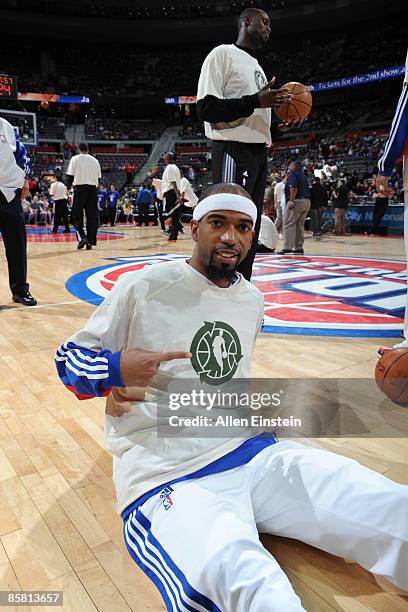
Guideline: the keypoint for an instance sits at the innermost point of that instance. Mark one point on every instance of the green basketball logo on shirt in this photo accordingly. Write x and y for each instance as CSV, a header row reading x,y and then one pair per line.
x,y
216,351
259,79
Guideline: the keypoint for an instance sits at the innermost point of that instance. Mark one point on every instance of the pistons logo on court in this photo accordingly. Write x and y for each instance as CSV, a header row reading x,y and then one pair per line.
x,y
310,295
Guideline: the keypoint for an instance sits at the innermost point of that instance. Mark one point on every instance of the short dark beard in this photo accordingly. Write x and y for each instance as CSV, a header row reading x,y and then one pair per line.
x,y
216,274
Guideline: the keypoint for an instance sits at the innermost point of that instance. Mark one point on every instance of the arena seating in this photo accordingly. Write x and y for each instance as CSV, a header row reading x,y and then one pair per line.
x,y
113,166
330,53
50,128
46,163
118,129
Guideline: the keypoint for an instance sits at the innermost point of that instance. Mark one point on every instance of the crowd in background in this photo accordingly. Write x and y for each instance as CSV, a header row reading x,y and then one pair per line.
x,y
121,129
175,10
38,206
170,71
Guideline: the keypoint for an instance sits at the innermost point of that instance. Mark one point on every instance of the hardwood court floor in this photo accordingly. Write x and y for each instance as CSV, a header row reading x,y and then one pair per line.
x,y
58,528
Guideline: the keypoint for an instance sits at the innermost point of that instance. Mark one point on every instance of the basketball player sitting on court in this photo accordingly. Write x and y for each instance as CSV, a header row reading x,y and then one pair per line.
x,y
193,507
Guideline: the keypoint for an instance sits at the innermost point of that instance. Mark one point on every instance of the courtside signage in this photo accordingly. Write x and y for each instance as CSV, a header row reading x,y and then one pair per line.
x,y
310,295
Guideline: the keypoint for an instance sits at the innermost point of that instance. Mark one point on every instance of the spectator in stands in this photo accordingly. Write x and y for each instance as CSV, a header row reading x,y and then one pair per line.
x,y
191,175
29,216
340,201
130,173
33,185
35,207
39,210
318,200
127,210
59,194
113,197
297,196
48,210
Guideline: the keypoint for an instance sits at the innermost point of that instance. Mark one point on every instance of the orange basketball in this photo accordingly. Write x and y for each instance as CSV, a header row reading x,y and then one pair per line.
x,y
44,104
391,375
299,106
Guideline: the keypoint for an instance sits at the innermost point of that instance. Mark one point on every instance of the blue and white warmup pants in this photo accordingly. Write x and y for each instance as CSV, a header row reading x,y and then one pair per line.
x,y
198,537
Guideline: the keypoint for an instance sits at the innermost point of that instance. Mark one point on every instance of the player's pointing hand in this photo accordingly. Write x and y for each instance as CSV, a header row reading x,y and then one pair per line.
x,y
138,366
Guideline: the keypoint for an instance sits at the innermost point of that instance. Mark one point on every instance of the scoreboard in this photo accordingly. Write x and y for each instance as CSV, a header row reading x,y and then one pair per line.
x,y
8,87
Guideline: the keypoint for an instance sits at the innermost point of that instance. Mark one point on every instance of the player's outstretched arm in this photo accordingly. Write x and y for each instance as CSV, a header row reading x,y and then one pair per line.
x,y
88,363
397,139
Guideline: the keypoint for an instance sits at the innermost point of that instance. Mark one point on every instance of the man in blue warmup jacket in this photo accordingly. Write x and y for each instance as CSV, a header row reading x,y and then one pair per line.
x,y
145,197
113,197
102,197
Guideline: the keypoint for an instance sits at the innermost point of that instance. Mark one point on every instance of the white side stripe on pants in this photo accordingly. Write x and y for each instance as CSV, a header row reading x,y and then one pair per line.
x,y
228,169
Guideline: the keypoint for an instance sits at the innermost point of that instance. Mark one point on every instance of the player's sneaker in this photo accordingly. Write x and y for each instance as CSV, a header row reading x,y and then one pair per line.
x,y
383,349
403,344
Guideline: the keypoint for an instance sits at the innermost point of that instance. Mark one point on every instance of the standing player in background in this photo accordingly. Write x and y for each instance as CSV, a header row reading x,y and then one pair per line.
x,y
268,236
279,199
158,186
234,99
84,173
153,198
59,194
113,197
171,194
397,145
268,202
102,198
187,193
14,173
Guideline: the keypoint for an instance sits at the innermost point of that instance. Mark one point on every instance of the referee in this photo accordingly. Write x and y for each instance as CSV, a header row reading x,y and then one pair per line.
x,y
84,173
14,172
234,100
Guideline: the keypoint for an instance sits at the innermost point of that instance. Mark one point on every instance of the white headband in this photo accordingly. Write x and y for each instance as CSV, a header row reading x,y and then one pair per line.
x,y
225,201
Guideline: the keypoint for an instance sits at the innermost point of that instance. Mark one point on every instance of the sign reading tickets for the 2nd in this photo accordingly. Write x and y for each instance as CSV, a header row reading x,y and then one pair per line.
x,y
312,295
8,87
